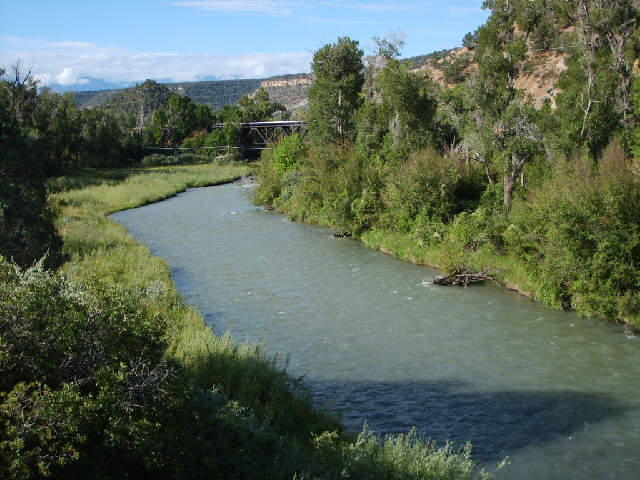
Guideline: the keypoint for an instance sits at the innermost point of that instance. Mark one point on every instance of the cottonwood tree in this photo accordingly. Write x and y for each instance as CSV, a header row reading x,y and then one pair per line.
x,y
595,98
334,97
617,21
520,140
58,127
172,125
502,124
258,107
397,110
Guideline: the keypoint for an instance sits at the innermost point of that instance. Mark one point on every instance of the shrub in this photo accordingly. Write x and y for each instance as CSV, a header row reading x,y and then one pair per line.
x,y
269,181
83,370
580,238
431,187
288,153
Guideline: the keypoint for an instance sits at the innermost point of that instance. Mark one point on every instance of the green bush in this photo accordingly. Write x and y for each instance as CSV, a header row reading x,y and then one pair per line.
x,y
580,238
269,181
288,153
428,186
84,375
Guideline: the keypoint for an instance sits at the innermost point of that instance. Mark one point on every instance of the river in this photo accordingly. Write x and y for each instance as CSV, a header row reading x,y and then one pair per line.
x,y
380,344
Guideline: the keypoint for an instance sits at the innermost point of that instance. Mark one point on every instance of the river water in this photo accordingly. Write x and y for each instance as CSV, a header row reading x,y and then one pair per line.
x,y
378,343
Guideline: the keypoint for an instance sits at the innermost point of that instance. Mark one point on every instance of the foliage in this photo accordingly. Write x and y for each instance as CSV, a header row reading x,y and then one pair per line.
x,y
217,93
429,188
140,101
258,107
288,152
335,94
82,372
394,458
398,110
27,232
171,126
581,244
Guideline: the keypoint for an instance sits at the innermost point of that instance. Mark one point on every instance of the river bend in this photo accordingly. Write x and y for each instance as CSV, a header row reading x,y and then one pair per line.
x,y
378,343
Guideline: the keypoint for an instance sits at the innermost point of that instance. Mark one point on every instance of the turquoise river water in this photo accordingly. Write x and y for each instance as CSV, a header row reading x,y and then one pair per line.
x,y
378,343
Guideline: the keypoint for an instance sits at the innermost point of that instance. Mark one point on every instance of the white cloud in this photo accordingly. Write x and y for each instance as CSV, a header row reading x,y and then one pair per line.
x,y
259,6
69,63
68,77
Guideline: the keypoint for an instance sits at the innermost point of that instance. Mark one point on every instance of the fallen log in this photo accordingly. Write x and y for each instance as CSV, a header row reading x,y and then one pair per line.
x,y
461,279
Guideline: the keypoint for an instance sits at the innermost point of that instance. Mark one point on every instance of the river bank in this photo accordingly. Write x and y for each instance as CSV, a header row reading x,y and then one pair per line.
x,y
262,420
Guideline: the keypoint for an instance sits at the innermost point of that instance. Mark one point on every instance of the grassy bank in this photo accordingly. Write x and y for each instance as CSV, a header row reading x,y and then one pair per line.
x,y
225,410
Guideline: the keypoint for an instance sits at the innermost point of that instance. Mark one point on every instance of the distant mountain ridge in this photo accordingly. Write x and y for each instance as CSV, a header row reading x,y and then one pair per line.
x,y
288,89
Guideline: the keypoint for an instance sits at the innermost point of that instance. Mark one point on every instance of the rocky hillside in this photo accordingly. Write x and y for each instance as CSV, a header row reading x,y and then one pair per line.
x,y
290,90
448,68
538,79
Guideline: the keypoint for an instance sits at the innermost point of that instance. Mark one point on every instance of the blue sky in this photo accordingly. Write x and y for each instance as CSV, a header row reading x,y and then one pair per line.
x,y
70,41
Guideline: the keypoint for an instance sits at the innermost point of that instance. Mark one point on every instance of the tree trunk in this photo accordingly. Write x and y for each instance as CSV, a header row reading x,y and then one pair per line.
x,y
509,186
485,164
587,39
511,178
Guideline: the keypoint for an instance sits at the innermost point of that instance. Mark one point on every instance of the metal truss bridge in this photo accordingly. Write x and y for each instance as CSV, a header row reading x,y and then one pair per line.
x,y
263,133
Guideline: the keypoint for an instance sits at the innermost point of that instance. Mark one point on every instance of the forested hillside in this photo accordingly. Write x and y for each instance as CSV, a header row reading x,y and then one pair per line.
x,y
215,93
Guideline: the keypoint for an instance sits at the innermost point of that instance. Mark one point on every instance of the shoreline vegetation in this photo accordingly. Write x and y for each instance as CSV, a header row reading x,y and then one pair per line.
x,y
188,404
568,242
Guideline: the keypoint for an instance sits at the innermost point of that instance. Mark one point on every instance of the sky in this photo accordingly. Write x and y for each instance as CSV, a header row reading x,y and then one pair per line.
x,y
74,42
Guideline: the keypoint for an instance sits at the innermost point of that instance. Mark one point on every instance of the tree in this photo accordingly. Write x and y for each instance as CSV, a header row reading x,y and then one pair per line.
x,y
103,137
181,118
205,116
58,126
334,97
27,231
258,107
520,141
288,152
397,110
611,23
174,124
503,124
501,50
595,99
470,40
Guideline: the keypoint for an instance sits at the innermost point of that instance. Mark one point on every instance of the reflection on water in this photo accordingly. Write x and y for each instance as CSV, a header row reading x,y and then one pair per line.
x,y
379,343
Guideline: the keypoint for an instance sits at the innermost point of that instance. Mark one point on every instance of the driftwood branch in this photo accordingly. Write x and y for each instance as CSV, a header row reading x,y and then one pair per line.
x,y
461,279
